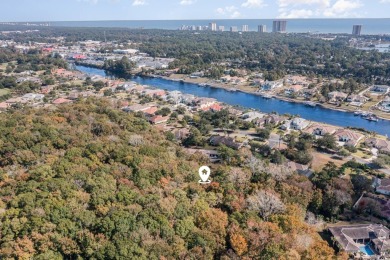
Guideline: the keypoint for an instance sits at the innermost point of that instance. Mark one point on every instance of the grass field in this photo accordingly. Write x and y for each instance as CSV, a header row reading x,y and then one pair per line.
x,y
4,92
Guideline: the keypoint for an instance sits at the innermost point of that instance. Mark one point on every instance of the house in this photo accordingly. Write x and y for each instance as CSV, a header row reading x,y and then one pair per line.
x,y
294,89
213,107
348,137
271,85
158,119
320,129
382,89
32,97
299,123
202,103
357,98
337,96
359,238
382,145
250,116
299,168
271,119
228,141
385,105
150,111
59,101
212,155
154,92
382,186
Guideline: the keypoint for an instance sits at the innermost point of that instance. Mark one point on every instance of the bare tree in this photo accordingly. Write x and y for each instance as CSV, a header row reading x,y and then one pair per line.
x,y
266,203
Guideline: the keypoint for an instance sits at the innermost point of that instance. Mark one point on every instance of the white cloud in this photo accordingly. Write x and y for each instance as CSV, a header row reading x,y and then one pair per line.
x,y
230,11
342,8
253,3
285,3
297,13
325,8
385,1
187,2
139,2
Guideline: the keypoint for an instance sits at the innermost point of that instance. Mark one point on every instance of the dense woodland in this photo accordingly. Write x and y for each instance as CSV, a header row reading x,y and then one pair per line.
x,y
86,181
273,54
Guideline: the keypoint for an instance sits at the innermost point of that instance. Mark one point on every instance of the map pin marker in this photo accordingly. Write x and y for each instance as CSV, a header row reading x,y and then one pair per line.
x,y
204,174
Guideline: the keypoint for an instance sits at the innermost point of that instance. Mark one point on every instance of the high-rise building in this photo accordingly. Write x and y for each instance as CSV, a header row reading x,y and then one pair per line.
x,y
279,26
213,27
262,28
233,29
245,28
357,29
221,28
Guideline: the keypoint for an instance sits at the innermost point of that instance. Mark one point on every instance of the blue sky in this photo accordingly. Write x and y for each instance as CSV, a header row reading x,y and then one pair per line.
x,y
85,10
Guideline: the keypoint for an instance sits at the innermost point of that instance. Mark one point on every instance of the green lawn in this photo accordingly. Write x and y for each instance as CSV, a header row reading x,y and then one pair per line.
x,y
4,91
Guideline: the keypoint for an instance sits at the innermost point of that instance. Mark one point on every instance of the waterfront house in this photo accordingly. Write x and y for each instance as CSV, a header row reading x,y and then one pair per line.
x,y
217,140
336,96
357,98
271,85
320,129
372,238
382,145
382,186
382,89
250,116
385,105
154,92
299,123
271,119
348,137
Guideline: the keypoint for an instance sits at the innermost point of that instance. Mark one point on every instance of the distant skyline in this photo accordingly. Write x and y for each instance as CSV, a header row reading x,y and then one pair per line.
x,y
89,10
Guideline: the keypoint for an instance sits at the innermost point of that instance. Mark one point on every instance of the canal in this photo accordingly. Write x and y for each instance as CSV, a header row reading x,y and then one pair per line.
x,y
317,114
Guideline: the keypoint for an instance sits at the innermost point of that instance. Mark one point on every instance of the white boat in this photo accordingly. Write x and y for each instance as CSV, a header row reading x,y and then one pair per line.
x,y
267,96
310,103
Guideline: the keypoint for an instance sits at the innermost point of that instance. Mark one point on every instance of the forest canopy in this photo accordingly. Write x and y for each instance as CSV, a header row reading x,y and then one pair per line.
x,y
88,181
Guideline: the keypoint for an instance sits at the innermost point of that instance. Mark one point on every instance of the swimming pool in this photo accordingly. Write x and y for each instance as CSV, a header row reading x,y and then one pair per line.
x,y
367,250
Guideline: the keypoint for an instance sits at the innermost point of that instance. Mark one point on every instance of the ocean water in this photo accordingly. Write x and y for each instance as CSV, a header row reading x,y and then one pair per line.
x,y
370,26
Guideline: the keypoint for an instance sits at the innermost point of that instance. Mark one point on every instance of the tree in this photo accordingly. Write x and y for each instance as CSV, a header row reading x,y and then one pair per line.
x,y
327,141
263,133
266,203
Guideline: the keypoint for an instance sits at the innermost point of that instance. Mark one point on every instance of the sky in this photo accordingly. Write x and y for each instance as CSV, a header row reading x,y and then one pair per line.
x,y
90,10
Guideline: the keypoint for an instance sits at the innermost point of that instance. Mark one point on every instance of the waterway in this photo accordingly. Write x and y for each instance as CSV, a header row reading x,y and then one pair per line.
x,y
318,114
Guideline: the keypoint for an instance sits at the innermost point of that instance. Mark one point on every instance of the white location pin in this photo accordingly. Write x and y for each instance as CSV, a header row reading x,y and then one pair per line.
x,y
204,173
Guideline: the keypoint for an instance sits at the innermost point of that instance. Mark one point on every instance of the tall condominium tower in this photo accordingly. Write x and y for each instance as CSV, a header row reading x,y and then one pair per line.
x,y
213,27
262,28
279,26
233,29
357,29
245,28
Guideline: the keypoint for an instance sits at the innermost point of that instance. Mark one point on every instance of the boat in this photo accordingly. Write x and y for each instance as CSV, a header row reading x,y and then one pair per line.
x,y
267,96
203,84
358,113
231,89
373,118
311,103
